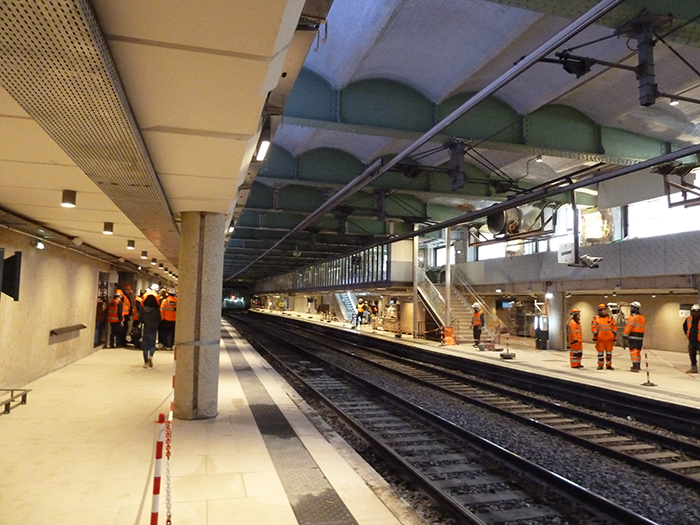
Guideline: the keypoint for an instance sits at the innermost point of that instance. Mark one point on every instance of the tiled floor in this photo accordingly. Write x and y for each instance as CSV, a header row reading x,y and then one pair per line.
x,y
80,452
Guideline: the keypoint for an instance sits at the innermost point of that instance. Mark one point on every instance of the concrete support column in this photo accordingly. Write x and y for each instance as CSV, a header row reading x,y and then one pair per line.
x,y
198,328
557,319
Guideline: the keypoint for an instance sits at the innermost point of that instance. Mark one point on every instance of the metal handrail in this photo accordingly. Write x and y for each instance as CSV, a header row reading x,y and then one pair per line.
x,y
22,396
490,313
435,299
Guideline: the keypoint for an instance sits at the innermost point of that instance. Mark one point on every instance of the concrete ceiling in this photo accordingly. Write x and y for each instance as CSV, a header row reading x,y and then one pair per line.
x,y
149,109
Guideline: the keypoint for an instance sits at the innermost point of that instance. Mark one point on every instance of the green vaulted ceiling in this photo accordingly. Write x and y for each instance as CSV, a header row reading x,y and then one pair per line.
x,y
384,73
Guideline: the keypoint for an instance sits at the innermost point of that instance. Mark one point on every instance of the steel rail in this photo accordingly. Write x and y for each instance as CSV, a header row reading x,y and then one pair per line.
x,y
593,501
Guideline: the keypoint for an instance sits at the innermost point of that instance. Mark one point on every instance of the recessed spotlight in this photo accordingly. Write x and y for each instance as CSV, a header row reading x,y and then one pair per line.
x,y
108,228
144,254
130,244
68,198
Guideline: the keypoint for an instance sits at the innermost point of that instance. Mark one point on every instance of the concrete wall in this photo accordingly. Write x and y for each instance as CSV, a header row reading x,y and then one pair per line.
x,y
651,264
664,325
58,288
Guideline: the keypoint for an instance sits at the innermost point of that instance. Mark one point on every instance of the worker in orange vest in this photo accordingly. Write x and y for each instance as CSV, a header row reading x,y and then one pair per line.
x,y
634,335
604,331
691,327
168,314
115,316
575,339
477,323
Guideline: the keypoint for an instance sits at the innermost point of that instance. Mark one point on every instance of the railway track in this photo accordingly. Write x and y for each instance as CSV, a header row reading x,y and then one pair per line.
x,y
673,458
469,477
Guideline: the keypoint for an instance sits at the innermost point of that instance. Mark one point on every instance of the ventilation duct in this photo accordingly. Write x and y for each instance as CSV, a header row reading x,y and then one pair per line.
x,y
505,222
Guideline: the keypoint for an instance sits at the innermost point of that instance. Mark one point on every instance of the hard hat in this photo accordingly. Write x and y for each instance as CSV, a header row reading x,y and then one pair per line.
x,y
476,306
601,306
695,307
155,286
575,311
118,292
636,304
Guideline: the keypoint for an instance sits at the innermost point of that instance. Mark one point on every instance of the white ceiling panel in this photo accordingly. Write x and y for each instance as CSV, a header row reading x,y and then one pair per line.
x,y
244,27
181,90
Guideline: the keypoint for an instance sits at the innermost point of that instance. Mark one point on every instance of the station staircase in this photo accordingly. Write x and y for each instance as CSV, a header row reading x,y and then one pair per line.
x,y
462,297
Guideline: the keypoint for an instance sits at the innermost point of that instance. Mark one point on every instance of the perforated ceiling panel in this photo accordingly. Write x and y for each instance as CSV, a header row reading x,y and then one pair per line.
x,y
56,65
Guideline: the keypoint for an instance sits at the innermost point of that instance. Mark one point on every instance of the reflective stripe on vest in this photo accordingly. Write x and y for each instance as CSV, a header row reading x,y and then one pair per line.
x,y
168,308
138,303
476,319
113,315
575,333
635,326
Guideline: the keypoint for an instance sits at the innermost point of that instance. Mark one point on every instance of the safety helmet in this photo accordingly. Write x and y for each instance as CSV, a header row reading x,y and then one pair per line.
x,y
361,300
695,307
636,304
118,292
575,311
602,306
476,306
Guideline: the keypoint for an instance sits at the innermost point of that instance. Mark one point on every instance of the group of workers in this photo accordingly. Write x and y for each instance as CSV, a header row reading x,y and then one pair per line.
x,y
604,329
151,315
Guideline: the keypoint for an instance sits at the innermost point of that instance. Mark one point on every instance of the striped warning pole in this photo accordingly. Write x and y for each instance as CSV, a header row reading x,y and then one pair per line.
x,y
158,469
168,440
646,365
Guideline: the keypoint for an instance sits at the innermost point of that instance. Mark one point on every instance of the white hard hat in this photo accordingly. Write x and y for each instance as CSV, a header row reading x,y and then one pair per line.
x,y
476,306
636,304
695,307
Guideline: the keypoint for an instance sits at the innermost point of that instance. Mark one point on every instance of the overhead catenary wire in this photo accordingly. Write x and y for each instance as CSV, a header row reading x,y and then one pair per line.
x,y
377,168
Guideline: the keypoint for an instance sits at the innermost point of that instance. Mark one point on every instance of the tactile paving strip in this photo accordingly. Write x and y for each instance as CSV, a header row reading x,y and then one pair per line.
x,y
312,498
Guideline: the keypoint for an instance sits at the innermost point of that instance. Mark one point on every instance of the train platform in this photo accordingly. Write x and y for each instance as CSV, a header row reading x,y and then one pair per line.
x,y
666,380
82,451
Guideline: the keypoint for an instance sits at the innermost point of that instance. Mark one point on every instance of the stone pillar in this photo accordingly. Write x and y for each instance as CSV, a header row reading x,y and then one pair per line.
x,y
198,328
557,319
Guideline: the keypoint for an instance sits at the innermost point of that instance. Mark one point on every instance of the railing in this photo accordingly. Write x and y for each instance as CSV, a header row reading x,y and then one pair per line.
x,y
8,403
492,320
347,306
435,300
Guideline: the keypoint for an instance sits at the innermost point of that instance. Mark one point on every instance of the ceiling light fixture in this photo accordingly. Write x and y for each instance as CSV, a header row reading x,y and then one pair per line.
x,y
68,199
264,141
154,261
160,266
37,244
674,102
130,244
108,228
144,254
538,158
230,229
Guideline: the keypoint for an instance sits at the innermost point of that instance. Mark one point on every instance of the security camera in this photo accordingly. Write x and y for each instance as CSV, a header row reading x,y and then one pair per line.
x,y
590,261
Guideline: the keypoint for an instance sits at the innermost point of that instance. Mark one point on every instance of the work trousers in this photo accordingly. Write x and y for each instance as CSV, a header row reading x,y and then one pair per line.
x,y
635,354
604,349
477,333
693,347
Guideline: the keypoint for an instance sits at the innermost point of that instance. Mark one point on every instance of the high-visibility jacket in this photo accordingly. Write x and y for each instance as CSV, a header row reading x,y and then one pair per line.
x,y
138,303
127,306
634,329
604,328
687,324
478,319
115,311
575,335
168,308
